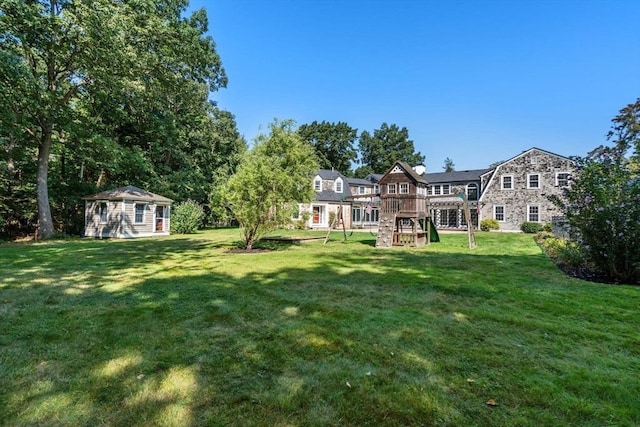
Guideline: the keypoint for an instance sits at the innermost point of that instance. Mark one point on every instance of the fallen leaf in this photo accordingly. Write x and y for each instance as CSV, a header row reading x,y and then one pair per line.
x,y
141,376
491,402
348,385
471,380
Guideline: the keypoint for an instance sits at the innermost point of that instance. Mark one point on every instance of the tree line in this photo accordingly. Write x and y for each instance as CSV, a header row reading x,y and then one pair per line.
x,y
99,94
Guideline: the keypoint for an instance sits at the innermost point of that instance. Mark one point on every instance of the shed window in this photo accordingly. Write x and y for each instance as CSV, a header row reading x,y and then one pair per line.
x,y
139,213
391,189
404,188
102,209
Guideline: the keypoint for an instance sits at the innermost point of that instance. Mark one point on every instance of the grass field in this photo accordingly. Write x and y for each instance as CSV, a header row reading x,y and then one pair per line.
x,y
180,331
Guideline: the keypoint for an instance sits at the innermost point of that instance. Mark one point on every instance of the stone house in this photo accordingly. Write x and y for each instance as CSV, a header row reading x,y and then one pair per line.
x,y
517,190
447,212
126,212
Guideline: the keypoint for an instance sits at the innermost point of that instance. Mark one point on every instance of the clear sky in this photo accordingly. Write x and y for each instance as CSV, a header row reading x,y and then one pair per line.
x,y
476,81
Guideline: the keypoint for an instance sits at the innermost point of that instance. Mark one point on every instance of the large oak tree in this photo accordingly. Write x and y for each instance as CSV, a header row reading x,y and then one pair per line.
x,y
378,152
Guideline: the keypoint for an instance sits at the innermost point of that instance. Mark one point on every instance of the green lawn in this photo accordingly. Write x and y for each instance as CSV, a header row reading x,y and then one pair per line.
x,y
179,331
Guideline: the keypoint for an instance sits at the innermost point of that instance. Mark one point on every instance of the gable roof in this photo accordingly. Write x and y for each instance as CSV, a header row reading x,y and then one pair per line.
x,y
329,174
129,192
454,176
408,171
525,152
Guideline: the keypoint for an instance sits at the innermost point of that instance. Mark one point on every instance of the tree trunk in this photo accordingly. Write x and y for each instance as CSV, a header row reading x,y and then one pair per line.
x,y
45,222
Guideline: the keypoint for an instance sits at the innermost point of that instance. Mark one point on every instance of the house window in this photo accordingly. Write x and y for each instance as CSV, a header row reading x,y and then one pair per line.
x,y
507,182
498,213
338,185
562,179
446,189
361,190
436,190
376,188
355,214
317,184
533,180
139,213
391,188
533,213
102,210
430,190
404,188
472,191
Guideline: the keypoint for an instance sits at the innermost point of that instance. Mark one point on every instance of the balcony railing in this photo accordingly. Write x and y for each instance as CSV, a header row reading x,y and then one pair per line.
x,y
399,204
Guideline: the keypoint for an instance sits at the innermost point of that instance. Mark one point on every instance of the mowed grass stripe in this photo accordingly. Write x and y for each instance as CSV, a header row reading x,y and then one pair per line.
x,y
181,331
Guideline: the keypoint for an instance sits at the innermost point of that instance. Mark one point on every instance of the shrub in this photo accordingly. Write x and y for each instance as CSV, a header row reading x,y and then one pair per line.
x,y
548,227
601,204
543,236
531,227
488,224
571,254
186,217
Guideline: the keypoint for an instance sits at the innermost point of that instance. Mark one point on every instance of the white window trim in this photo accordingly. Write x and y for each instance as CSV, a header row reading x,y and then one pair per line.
x,y
502,182
144,210
529,213
106,210
338,185
315,181
529,187
568,177
389,187
446,189
504,213
403,185
475,186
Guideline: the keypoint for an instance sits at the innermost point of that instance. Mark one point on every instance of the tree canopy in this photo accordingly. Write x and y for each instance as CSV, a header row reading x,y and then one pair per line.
x,y
270,180
333,144
601,203
103,92
449,166
378,152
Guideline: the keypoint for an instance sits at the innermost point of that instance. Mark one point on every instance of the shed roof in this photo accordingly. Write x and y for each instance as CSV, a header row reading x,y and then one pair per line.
x,y
129,192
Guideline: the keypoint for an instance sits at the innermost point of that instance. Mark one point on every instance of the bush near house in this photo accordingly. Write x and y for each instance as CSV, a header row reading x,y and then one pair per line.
x,y
187,217
531,227
489,224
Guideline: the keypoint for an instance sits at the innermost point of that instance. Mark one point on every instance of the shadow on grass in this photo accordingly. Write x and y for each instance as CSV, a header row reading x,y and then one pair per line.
x,y
379,337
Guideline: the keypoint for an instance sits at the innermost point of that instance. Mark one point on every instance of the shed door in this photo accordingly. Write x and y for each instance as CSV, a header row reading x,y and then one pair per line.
x,y
160,218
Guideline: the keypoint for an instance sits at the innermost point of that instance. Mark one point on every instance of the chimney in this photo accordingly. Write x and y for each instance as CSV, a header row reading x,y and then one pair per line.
x,y
420,169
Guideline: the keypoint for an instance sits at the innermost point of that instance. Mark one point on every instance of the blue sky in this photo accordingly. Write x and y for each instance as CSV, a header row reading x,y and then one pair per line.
x,y
476,81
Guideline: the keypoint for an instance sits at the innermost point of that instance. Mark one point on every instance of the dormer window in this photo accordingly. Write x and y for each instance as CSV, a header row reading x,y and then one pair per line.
x,y
338,185
317,184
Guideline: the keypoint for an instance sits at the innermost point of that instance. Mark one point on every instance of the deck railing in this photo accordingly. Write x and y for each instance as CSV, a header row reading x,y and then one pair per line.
x,y
403,204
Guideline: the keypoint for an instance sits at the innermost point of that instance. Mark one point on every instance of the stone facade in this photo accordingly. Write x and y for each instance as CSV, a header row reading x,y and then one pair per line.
x,y
518,189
